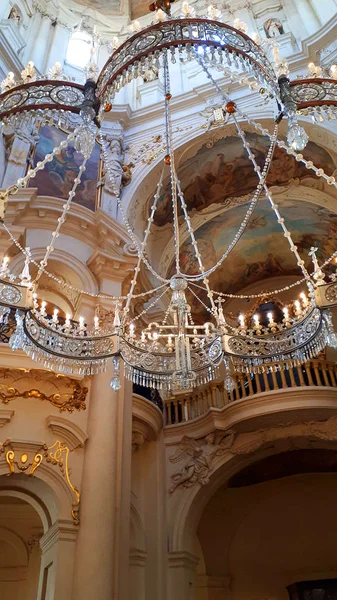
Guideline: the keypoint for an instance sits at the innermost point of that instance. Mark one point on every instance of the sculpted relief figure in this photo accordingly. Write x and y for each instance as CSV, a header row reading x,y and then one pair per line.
x,y
199,455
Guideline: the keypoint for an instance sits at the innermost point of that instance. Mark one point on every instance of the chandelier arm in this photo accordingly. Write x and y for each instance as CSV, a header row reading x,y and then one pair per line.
x,y
201,302
274,206
319,172
195,246
129,229
61,220
143,245
72,287
151,305
170,157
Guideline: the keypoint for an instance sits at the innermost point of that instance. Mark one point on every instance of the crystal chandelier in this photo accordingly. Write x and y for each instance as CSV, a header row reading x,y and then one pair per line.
x,y
175,354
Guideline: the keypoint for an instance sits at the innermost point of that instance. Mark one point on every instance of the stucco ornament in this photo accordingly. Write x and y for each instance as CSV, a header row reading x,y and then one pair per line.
x,y
199,455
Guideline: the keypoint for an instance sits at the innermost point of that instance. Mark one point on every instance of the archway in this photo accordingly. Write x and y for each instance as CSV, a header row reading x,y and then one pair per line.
x,y
270,525
21,528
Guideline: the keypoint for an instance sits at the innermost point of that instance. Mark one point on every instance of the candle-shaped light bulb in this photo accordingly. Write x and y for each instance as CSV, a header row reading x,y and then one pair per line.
x,y
5,261
155,335
206,329
304,298
143,337
256,320
43,308
96,322
286,313
67,322
132,329
55,315
81,321
297,305
242,320
270,317
169,341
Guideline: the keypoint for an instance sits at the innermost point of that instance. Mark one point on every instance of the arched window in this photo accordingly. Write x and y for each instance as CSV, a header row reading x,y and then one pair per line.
x,y
78,51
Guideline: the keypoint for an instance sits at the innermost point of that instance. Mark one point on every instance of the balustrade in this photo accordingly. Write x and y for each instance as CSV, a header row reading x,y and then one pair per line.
x,y
182,408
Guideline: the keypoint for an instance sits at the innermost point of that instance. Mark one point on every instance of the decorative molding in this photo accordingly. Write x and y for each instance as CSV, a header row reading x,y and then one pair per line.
x,y
148,414
137,558
5,417
138,440
185,559
68,431
199,455
25,457
60,530
63,392
273,407
202,455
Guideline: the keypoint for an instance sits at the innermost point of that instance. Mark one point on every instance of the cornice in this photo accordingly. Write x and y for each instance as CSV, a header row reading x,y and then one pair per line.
x,y
6,417
67,431
261,410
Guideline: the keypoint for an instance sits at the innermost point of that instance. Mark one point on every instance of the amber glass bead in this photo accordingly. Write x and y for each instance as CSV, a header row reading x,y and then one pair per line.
x,y
167,159
230,107
168,96
108,107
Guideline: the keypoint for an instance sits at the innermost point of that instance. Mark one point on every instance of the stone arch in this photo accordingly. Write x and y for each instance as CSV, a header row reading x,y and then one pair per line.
x,y
194,500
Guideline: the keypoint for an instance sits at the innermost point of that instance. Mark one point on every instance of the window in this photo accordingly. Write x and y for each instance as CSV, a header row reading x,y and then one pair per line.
x,y
78,51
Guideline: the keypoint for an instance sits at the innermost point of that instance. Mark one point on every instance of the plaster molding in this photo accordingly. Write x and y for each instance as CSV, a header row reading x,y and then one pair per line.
x,y
137,558
6,417
61,530
146,417
182,559
68,431
268,407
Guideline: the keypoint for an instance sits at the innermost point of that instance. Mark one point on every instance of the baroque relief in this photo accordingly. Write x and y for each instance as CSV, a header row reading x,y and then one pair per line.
x,y
201,454
64,393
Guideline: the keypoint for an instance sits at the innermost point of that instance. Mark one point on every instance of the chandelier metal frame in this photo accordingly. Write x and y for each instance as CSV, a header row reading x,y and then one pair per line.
x,y
175,354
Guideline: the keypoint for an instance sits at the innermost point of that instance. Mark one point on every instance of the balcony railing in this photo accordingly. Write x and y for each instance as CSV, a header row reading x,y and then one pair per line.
x,y
182,408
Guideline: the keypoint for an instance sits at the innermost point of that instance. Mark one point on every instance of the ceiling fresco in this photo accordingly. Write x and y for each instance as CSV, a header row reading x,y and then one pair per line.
x,y
262,252
216,175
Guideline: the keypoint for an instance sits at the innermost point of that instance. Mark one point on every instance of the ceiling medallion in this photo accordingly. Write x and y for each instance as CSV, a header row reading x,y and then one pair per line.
x,y
176,353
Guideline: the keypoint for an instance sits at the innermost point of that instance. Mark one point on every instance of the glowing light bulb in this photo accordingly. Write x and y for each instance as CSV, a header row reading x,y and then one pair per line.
x,y
96,322
143,337
55,315
81,321
169,341
286,313
132,329
297,305
304,299
241,320
155,335
270,317
256,320
67,321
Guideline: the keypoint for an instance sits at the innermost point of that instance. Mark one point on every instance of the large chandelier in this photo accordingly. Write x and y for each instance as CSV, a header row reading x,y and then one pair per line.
x,y
175,354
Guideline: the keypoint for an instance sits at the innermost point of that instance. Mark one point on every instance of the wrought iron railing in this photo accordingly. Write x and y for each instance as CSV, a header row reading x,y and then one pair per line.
x,y
182,408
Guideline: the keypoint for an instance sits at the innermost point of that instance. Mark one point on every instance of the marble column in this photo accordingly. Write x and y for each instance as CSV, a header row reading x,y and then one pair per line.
x,y
58,46
40,49
102,552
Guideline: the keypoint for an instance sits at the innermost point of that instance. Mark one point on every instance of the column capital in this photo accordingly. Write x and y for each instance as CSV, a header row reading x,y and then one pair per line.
x,y
62,530
183,559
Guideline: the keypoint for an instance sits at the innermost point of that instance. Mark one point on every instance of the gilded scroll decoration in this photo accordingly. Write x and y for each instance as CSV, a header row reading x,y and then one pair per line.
x,y
64,393
26,457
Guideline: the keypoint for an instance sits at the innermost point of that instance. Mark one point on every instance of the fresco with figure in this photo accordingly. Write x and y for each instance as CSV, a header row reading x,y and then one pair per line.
x,y
214,175
263,251
57,178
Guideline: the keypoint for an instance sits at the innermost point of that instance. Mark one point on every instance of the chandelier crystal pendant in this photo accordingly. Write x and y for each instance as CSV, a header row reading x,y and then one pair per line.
x,y
175,354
